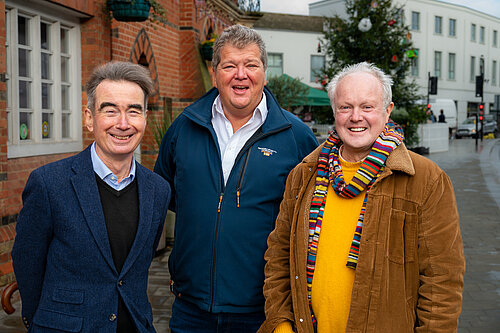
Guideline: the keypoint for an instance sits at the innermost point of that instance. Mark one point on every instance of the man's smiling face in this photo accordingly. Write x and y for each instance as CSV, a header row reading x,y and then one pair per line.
x,y
240,78
119,119
360,115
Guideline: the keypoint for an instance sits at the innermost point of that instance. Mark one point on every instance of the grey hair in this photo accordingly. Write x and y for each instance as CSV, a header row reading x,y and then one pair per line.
x,y
364,67
240,37
119,71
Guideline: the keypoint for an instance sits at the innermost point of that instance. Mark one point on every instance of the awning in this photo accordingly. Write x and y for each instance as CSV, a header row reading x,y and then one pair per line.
x,y
314,97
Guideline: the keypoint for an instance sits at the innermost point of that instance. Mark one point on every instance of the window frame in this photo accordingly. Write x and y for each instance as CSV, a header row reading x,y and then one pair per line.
x,y
271,55
316,78
452,63
438,25
472,68
482,32
414,65
415,25
494,73
473,32
36,144
495,38
438,60
452,28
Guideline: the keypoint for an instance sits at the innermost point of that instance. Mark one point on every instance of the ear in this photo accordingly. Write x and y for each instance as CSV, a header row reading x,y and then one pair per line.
x,y
89,120
389,109
214,80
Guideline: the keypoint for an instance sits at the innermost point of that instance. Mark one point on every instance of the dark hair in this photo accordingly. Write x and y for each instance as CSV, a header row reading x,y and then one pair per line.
x,y
238,36
119,71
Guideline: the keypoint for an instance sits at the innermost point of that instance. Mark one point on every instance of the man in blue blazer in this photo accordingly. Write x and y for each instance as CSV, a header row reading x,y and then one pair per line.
x,y
90,223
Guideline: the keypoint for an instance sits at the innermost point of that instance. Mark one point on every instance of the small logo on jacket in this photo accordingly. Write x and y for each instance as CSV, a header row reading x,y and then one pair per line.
x,y
267,151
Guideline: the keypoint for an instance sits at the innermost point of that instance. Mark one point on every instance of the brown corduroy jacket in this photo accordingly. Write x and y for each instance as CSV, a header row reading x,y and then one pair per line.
x,y
409,276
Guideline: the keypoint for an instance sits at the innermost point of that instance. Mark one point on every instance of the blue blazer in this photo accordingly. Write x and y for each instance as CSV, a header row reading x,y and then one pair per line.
x,y
62,257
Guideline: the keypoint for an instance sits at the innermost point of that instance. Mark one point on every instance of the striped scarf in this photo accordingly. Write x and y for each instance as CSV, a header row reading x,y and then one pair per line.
x,y
330,172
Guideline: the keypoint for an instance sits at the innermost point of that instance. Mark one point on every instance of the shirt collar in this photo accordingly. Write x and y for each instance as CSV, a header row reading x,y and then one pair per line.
x,y
102,170
261,108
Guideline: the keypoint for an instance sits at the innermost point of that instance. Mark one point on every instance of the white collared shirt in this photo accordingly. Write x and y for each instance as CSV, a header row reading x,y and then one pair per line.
x,y
107,175
231,143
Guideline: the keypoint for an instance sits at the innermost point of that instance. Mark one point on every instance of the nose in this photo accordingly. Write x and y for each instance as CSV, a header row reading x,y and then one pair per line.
x,y
356,114
122,121
241,73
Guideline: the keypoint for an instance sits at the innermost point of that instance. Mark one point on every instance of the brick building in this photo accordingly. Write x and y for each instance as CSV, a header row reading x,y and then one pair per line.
x,y
48,50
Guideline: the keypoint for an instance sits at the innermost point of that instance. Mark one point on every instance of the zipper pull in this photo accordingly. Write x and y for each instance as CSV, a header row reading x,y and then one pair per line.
x,y
220,202
238,198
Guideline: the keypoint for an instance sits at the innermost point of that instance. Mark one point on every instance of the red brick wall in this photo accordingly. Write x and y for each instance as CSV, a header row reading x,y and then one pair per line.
x,y
174,42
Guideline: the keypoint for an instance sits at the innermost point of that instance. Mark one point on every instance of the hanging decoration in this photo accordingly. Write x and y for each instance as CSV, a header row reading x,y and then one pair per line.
x,y
319,47
394,58
412,53
391,22
365,24
374,4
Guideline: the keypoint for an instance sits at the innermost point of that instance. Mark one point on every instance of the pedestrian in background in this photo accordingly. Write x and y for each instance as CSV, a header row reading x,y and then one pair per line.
x,y
441,118
226,158
367,238
90,224
432,117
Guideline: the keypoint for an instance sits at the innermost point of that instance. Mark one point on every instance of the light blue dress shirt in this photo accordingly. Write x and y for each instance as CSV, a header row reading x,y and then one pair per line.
x,y
107,175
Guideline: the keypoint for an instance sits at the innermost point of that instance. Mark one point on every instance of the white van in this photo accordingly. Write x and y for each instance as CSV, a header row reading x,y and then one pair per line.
x,y
449,110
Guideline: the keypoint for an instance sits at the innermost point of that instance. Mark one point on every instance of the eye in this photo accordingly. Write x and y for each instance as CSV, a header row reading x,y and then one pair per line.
x,y
134,112
110,112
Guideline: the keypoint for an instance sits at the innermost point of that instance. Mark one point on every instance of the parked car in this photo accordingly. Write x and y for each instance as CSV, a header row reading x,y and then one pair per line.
x,y
468,127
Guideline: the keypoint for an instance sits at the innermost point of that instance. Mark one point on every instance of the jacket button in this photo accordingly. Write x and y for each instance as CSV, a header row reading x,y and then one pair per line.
x,y
297,196
120,283
112,317
301,320
296,277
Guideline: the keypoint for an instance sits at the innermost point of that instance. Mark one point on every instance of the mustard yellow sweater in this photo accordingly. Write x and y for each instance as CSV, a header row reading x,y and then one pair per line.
x,y
332,281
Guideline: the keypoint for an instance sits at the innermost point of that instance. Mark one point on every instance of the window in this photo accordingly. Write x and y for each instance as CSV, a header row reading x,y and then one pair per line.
x,y
274,64
473,32
415,21
452,28
495,38
481,35
43,84
438,25
494,73
437,63
451,66
317,66
472,68
414,64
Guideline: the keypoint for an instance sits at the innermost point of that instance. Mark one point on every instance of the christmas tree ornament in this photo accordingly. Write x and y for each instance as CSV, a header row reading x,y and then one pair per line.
x,y
394,58
365,24
374,4
391,22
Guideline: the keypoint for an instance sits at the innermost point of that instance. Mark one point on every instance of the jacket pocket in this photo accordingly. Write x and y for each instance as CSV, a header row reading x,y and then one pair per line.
x,y
402,236
57,320
67,296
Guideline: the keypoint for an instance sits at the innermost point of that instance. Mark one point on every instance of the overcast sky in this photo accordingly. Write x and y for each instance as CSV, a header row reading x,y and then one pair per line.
x,y
301,6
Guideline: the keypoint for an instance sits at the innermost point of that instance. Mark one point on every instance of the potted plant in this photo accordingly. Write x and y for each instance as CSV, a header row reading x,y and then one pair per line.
x,y
207,48
135,10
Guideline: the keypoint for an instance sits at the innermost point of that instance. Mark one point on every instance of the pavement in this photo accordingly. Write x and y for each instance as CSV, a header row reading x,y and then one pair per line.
x,y
475,174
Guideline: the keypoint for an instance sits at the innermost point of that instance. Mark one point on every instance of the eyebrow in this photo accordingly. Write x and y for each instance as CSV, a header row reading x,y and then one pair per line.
x,y
130,106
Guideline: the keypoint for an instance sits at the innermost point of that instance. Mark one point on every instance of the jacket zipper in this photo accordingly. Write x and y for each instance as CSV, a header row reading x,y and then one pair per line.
x,y
240,178
215,243
246,146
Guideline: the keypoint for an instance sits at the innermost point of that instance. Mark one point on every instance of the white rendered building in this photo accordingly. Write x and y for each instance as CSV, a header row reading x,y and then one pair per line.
x,y
292,45
453,43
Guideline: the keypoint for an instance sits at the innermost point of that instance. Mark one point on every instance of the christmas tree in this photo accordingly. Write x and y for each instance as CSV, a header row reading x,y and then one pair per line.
x,y
375,32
